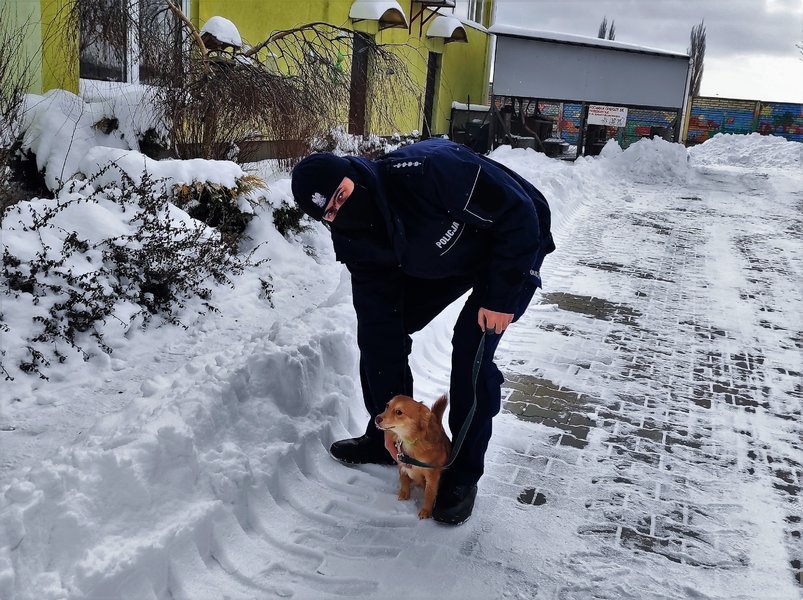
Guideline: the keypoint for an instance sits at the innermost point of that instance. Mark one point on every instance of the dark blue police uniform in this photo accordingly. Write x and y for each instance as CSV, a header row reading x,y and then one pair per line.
x,y
453,221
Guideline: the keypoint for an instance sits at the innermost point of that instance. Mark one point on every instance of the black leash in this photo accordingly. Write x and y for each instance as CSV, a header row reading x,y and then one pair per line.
x,y
475,371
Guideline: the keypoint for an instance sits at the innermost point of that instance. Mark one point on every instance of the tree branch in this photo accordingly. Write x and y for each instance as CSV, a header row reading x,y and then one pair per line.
x,y
193,31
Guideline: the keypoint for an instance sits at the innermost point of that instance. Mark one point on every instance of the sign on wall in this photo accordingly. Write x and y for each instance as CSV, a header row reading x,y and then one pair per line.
x,y
610,116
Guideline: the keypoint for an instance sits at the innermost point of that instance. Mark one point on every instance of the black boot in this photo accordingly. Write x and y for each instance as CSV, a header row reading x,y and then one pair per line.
x,y
454,503
361,450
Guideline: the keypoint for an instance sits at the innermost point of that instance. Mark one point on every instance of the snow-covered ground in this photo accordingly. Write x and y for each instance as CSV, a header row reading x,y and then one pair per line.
x,y
192,463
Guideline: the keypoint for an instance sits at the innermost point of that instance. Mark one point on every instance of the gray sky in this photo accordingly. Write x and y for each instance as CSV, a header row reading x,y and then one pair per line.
x,y
750,44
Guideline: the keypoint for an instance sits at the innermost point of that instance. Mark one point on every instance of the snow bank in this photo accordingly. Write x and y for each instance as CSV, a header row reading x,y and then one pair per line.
x,y
568,186
157,488
646,161
171,479
96,166
130,104
215,470
751,151
59,130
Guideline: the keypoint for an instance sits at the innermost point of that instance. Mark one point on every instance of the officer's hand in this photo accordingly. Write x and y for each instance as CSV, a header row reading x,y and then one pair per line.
x,y
497,321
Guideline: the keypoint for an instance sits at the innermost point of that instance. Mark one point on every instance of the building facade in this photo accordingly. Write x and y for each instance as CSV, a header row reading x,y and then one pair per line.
x,y
447,58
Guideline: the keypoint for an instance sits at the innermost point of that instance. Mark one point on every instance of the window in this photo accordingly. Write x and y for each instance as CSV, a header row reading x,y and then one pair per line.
x,y
125,40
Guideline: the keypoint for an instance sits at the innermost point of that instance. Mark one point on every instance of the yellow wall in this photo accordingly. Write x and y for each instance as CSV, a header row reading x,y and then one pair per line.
x,y
464,70
50,52
24,16
60,46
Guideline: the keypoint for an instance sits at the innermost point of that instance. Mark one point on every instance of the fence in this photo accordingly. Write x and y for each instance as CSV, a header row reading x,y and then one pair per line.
x,y
709,116
705,118
640,123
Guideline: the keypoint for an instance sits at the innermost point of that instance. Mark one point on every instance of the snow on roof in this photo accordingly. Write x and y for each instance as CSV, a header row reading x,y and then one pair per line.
x,y
223,31
375,10
447,27
470,23
570,38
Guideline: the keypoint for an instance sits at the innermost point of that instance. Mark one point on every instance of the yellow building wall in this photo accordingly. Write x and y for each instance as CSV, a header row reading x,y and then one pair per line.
x,y
59,46
466,71
50,51
24,17
464,68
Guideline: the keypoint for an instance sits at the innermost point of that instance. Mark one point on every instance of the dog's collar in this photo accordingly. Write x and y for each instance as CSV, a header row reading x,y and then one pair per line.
x,y
400,455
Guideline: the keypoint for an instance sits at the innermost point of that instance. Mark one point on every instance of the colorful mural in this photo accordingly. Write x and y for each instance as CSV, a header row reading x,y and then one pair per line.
x,y
780,118
643,123
640,123
709,116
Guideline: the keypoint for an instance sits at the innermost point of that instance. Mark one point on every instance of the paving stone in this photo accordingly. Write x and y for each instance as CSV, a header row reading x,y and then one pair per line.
x,y
670,402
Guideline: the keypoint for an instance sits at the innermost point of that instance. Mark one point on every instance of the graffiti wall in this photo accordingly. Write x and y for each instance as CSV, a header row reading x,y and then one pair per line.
x,y
641,123
709,116
566,116
780,118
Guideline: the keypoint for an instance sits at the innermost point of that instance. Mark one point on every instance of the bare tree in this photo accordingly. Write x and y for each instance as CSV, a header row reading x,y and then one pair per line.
x,y
603,28
604,32
15,79
696,51
215,99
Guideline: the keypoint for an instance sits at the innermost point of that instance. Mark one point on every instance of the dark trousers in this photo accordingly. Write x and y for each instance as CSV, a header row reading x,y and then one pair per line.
x,y
385,349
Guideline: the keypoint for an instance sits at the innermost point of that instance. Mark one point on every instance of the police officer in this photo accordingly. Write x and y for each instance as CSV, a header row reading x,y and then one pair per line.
x,y
417,228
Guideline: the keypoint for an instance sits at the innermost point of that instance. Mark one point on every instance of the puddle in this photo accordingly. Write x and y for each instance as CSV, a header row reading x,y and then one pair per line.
x,y
597,308
539,400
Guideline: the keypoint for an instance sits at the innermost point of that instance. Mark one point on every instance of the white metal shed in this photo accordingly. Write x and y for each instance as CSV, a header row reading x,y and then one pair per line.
x,y
565,67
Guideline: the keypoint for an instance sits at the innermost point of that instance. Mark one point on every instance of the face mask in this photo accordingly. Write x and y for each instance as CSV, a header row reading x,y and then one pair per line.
x,y
358,214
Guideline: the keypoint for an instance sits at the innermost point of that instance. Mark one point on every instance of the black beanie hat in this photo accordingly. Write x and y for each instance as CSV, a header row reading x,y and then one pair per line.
x,y
315,179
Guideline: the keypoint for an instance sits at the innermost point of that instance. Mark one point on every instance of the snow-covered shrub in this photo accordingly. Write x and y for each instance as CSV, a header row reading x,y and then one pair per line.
x,y
340,142
219,206
289,219
95,259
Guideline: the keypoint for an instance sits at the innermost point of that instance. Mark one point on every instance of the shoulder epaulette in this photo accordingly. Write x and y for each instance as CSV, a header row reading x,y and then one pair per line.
x,y
413,165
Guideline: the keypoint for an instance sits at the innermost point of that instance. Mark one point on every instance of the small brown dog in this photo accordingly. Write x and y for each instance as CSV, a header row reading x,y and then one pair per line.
x,y
416,431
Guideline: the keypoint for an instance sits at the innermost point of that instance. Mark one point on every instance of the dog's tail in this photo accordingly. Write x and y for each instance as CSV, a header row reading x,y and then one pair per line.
x,y
440,407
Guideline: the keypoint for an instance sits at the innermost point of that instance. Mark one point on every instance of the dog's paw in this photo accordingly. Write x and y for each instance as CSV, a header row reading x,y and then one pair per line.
x,y
424,513
404,495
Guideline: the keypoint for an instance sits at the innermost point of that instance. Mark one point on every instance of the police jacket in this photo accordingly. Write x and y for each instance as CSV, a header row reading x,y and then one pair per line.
x,y
449,212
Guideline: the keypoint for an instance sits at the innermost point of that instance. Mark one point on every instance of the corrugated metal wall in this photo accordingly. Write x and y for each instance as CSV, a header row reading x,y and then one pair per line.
x,y
781,118
639,122
709,116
